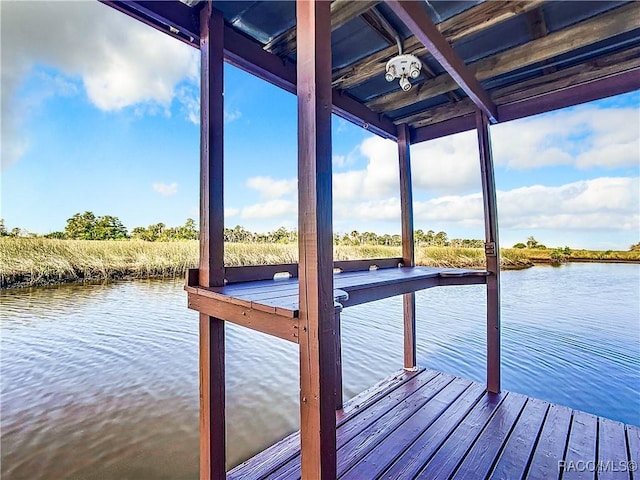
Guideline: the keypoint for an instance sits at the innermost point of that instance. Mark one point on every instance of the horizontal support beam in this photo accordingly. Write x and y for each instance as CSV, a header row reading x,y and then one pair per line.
x,y
248,55
269,323
616,84
367,294
418,21
607,25
604,66
471,21
341,12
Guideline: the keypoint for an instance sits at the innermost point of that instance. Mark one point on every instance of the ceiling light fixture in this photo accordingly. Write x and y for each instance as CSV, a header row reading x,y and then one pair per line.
x,y
403,67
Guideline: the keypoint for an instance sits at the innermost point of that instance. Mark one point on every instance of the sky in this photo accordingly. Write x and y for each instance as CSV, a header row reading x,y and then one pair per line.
x,y
101,113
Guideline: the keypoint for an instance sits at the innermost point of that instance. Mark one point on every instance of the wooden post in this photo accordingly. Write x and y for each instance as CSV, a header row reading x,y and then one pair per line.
x,y
338,341
492,252
408,255
211,272
317,315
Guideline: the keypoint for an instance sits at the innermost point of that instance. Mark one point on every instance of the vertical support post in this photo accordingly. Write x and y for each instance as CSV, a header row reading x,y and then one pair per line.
x,y
338,382
315,243
211,272
408,254
492,252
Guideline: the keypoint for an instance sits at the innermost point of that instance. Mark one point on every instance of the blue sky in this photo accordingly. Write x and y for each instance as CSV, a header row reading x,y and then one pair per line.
x,y
101,114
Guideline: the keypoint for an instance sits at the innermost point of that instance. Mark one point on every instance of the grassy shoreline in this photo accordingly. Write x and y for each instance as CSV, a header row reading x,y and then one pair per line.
x,y
30,262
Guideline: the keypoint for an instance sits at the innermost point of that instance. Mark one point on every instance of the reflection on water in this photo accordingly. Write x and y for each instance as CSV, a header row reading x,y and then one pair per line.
x,y
100,381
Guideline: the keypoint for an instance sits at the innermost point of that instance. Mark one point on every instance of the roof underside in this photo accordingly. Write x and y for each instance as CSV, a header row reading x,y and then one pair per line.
x,y
527,56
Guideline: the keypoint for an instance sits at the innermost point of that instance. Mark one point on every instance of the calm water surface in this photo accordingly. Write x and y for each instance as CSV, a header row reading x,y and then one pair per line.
x,y
101,381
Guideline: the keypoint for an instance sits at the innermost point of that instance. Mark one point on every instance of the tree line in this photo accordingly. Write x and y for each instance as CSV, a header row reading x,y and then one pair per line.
x,y
88,226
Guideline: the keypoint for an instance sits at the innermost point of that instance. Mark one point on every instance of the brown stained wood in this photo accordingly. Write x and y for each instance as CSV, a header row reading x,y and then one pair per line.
x,y
258,272
211,265
593,69
369,438
270,323
518,448
612,451
370,413
371,19
338,383
444,461
473,20
633,443
456,429
341,12
366,264
192,277
485,451
581,447
365,403
492,252
615,22
418,21
389,447
317,332
412,458
408,244
551,444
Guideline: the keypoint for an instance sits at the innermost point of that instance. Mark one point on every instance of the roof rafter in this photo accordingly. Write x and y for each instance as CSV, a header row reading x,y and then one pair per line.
x,y
477,18
615,84
593,69
341,12
620,20
419,22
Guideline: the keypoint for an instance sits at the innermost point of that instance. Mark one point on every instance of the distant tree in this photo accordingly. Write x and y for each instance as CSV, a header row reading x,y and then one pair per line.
x,y
86,226
16,232
3,229
635,247
80,226
520,245
188,231
532,242
109,228
56,235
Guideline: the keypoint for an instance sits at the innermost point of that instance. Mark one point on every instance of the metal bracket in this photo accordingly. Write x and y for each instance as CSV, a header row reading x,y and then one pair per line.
x,y
490,249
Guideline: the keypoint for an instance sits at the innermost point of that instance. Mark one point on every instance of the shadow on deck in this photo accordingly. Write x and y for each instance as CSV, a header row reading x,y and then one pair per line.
x,y
431,425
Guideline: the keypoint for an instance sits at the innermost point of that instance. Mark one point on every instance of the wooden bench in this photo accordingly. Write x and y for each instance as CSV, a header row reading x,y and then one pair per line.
x,y
265,297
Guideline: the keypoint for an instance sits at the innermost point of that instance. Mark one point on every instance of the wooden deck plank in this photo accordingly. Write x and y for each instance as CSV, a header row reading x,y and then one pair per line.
x,y
431,425
388,392
519,447
633,444
581,447
484,452
373,438
359,432
612,451
410,462
445,460
388,450
551,444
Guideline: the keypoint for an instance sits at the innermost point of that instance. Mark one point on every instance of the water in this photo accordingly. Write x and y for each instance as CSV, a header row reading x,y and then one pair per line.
x,y
100,381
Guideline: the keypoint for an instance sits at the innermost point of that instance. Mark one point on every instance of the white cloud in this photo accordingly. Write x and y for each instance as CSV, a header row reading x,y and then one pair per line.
x,y
584,137
166,189
119,61
271,209
232,115
270,188
611,203
444,165
231,212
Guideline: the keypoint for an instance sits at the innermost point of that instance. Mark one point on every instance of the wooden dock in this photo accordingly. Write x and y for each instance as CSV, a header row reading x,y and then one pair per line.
x,y
431,425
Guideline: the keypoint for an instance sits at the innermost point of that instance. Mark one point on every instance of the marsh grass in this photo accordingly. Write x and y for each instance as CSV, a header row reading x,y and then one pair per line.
x,y
40,261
